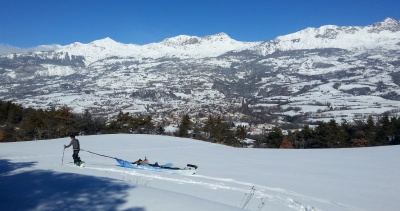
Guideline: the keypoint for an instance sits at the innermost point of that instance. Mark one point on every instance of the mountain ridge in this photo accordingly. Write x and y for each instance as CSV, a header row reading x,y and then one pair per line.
x,y
186,46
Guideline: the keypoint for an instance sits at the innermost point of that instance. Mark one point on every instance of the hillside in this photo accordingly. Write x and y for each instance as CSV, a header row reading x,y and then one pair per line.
x,y
36,175
340,72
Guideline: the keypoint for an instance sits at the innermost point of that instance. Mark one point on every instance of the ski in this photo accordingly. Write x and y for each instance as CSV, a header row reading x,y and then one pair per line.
x,y
78,164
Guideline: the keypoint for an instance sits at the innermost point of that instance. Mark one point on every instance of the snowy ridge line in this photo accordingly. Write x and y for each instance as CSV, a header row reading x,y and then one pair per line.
x,y
260,193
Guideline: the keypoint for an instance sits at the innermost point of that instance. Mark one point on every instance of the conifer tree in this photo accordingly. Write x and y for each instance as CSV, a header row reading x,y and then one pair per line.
x,y
66,121
384,132
148,124
274,139
370,129
307,136
240,132
208,127
184,126
394,131
122,123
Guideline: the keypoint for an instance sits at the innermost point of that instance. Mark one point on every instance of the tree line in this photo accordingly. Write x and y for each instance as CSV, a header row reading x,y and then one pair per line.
x,y
383,131
24,124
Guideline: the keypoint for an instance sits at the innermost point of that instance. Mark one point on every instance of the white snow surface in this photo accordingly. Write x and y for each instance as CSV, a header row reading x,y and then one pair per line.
x,y
38,175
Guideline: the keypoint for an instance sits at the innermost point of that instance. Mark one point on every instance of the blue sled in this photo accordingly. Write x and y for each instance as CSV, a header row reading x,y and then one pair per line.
x,y
190,169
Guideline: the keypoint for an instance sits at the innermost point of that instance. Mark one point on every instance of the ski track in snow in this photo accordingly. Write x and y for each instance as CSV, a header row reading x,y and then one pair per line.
x,y
277,195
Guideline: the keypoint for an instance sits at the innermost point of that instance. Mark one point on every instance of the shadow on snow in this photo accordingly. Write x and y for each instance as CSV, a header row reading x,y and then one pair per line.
x,y
47,190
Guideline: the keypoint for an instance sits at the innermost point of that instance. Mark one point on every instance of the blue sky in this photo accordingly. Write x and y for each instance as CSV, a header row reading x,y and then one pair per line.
x,y
28,23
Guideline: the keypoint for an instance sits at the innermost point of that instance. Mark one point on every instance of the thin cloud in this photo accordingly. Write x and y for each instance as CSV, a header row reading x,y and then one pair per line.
x,y
8,49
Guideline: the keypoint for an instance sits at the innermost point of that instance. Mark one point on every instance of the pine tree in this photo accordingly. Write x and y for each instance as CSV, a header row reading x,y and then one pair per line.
x,y
65,121
337,135
384,131
241,132
274,139
184,126
7,133
306,136
394,135
208,127
320,136
148,124
122,123
219,129
370,130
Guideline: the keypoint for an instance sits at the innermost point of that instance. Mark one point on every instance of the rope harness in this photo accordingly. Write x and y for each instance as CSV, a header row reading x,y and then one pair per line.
x,y
99,154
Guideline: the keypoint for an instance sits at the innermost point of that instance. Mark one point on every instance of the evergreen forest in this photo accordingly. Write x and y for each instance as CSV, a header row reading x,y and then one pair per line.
x,y
28,124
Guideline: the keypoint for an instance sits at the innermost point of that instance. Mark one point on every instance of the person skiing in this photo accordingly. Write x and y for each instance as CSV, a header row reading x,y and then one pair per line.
x,y
76,148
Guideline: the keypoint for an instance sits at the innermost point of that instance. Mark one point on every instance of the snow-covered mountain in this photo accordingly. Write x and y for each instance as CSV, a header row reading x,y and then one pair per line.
x,y
379,35
181,46
382,34
330,71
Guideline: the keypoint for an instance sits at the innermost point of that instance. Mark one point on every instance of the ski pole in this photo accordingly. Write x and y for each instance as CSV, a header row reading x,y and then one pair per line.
x,y
62,161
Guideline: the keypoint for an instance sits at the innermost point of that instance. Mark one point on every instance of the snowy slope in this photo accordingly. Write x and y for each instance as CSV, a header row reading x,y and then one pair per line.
x,y
34,178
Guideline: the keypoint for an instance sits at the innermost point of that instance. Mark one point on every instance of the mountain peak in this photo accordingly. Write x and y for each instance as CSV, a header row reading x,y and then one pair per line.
x,y
218,37
181,40
391,21
221,34
104,42
389,24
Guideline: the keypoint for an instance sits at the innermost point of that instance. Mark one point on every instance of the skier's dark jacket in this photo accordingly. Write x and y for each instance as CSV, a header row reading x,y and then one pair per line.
x,y
75,144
